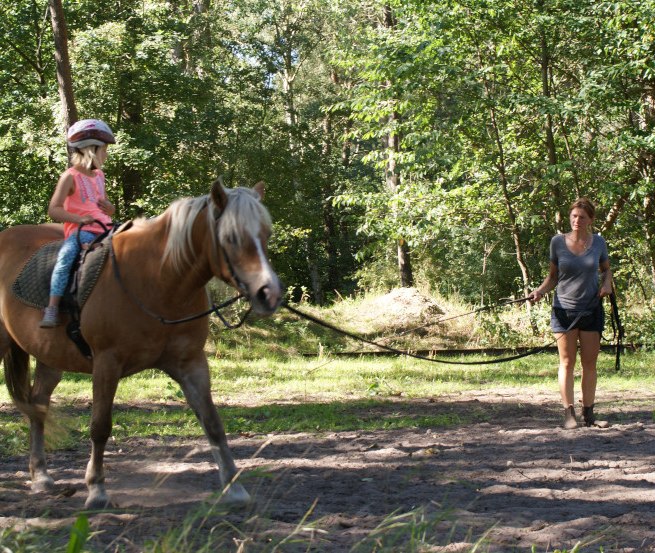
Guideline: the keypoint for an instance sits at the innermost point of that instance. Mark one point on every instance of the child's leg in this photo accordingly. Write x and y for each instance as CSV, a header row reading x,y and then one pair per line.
x,y
70,249
67,254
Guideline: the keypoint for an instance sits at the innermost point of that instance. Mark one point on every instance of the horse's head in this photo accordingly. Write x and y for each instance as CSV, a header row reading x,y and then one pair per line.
x,y
244,227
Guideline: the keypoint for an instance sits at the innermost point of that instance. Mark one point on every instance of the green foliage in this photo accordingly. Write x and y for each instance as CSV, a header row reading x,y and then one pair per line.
x,y
13,435
79,535
504,112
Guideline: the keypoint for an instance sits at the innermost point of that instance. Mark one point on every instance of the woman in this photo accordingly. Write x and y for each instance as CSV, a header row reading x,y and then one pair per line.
x,y
577,315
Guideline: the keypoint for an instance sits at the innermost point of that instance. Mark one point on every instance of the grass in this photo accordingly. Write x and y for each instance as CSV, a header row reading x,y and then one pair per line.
x,y
303,394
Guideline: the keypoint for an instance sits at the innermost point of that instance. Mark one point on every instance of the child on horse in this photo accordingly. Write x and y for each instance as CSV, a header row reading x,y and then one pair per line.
x,y
79,198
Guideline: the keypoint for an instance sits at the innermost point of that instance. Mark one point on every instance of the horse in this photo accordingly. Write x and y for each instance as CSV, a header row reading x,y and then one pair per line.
x,y
164,263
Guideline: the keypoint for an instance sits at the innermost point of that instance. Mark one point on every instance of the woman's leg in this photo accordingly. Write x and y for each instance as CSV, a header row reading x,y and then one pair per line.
x,y
589,348
567,343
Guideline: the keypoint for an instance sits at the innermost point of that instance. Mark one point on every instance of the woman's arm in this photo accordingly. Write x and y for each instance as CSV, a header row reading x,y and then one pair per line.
x,y
605,279
546,286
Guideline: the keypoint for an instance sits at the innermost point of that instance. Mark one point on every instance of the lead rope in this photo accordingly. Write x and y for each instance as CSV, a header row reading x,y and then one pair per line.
x,y
354,336
617,327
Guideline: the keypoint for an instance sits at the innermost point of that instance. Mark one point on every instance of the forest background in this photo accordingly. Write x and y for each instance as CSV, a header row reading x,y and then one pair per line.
x,y
435,143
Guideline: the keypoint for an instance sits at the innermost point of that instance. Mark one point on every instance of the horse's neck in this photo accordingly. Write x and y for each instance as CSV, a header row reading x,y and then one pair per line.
x,y
144,249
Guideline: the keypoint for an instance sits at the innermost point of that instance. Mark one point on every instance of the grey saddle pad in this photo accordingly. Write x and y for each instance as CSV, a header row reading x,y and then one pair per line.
x,y
32,286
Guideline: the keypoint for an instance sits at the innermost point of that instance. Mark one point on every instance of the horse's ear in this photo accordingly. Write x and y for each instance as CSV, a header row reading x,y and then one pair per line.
x,y
218,194
259,188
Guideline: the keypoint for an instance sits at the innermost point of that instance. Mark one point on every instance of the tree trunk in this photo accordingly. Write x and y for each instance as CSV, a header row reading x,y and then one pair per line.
x,y
649,231
617,207
329,219
393,176
131,117
504,186
501,166
646,165
548,123
64,74
393,182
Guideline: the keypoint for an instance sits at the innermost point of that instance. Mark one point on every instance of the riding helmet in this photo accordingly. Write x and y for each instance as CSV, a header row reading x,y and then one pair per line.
x,y
89,132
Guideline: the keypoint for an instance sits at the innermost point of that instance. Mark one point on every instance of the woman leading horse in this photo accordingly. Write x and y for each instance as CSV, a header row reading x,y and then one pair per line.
x,y
165,264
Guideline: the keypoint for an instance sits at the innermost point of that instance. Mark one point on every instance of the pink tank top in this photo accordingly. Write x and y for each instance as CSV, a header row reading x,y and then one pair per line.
x,y
83,201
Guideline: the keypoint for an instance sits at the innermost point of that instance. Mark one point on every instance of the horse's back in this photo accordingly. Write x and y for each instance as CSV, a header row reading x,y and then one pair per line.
x,y
18,244
20,322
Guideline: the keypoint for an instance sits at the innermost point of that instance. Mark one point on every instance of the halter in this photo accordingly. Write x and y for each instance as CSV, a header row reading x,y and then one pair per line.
x,y
239,285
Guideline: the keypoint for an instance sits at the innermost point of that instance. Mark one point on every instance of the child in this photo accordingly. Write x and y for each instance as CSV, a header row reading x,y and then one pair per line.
x,y
79,198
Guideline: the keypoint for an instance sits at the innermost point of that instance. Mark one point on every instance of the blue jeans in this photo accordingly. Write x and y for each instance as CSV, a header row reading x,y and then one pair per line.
x,y
69,251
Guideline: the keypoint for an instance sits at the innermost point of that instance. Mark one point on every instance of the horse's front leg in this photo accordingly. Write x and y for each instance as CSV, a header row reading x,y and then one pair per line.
x,y
194,381
105,382
45,381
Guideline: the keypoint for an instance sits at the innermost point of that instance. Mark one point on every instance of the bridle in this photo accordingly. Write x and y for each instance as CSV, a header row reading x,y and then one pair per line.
x,y
215,309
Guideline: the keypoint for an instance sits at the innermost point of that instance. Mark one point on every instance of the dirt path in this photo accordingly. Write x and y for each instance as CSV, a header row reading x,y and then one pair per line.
x,y
516,479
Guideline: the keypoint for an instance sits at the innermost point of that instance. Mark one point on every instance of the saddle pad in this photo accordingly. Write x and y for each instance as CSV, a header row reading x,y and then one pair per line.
x,y
32,286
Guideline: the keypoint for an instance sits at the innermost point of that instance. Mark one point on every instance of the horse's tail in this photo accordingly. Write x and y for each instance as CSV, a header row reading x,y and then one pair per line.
x,y
17,376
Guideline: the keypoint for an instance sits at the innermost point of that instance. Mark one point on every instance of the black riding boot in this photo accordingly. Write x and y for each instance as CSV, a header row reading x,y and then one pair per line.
x,y
569,418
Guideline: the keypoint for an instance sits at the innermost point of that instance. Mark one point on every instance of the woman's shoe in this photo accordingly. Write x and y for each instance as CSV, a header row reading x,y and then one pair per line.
x,y
588,415
569,418
590,418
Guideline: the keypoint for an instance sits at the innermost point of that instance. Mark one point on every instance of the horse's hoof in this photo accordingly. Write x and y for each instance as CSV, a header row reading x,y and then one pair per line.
x,y
99,503
43,484
236,495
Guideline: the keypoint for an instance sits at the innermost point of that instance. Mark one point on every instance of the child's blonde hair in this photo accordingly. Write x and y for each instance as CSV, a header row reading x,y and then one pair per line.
x,y
86,157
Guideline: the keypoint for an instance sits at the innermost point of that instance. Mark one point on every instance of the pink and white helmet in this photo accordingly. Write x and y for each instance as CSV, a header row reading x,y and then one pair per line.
x,y
90,132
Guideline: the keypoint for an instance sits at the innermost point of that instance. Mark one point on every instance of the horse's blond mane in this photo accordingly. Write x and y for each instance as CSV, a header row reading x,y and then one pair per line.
x,y
243,216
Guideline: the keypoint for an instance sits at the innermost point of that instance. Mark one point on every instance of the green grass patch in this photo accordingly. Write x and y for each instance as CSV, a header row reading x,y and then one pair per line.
x,y
14,434
306,395
179,421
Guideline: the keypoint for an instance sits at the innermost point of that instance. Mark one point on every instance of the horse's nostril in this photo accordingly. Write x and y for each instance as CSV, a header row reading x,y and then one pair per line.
x,y
263,294
269,297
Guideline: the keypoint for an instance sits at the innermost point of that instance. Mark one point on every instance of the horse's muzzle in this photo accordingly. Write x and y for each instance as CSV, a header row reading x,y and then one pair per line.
x,y
267,299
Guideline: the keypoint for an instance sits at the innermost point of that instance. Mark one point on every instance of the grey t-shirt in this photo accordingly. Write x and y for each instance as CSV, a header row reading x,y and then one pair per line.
x,y
577,275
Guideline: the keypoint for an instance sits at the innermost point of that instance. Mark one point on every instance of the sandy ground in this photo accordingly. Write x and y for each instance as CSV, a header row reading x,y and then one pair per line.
x,y
512,482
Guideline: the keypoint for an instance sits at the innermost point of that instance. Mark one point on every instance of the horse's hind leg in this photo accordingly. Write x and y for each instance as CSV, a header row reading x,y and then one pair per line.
x,y
194,381
32,400
45,381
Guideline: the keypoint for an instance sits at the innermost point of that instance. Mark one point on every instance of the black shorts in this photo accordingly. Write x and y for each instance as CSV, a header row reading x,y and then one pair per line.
x,y
591,321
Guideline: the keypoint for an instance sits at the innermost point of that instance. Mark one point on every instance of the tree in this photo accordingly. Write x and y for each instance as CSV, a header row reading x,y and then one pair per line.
x,y
64,76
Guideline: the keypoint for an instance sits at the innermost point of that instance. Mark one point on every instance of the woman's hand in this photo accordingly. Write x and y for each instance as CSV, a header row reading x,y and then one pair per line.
x,y
605,289
605,279
535,296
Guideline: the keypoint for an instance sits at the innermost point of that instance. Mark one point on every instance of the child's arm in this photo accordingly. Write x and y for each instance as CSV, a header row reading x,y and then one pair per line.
x,y
65,187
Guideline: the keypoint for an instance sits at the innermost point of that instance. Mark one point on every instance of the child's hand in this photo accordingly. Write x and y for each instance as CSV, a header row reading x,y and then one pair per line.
x,y
106,206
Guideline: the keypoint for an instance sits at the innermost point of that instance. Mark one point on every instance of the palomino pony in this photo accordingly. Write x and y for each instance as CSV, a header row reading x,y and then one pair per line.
x,y
165,264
